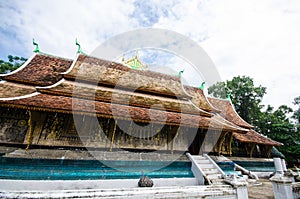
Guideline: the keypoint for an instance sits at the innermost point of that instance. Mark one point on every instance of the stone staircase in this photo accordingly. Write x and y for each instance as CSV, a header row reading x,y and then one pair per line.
x,y
205,168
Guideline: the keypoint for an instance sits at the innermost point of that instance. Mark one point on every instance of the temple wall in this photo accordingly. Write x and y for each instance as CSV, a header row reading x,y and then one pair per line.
x,y
244,150
58,129
13,125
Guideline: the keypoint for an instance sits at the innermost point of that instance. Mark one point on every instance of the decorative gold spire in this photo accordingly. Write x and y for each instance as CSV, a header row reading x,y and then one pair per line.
x,y
135,63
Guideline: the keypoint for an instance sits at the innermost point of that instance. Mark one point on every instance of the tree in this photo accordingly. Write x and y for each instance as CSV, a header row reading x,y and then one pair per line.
x,y
244,95
296,115
276,124
282,129
13,63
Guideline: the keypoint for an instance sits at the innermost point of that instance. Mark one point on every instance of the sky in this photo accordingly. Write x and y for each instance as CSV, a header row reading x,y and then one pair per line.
x,y
256,38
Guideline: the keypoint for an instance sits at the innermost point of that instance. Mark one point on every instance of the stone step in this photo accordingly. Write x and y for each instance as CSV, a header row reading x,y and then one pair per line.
x,y
217,182
207,166
215,191
197,157
203,162
210,171
214,176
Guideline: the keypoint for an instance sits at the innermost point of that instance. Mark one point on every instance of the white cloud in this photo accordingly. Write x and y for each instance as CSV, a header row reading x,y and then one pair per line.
x,y
255,38
56,24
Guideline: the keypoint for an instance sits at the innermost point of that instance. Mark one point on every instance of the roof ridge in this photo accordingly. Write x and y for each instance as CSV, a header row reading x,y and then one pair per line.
x,y
50,55
143,72
217,98
21,67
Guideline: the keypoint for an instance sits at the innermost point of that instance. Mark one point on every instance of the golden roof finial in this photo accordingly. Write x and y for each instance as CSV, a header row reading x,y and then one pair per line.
x,y
135,63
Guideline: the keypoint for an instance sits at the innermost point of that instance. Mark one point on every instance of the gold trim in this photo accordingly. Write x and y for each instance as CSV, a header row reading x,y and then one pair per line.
x,y
230,144
113,136
30,131
252,149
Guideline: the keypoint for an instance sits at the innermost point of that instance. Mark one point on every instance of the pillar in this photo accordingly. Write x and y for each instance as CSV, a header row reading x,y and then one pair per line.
x,y
112,132
230,144
30,131
282,187
278,166
240,185
251,150
283,165
220,142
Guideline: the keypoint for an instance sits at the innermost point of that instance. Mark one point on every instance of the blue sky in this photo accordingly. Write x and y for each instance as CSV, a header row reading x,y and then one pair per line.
x,y
255,38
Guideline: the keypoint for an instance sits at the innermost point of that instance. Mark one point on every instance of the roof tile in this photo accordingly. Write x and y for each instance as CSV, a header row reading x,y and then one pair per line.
x,y
228,112
42,70
254,137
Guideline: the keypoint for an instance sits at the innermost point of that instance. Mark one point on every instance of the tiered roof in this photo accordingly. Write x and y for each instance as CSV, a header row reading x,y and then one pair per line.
x,y
103,72
90,85
200,100
39,70
12,90
55,103
118,91
254,137
120,96
228,112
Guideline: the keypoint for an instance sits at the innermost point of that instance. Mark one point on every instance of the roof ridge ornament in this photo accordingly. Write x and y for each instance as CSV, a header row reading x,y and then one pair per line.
x,y
202,86
79,50
229,96
37,49
180,73
135,63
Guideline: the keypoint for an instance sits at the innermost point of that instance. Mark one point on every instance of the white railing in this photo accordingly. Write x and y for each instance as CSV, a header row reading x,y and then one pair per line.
x,y
242,169
215,165
246,172
197,171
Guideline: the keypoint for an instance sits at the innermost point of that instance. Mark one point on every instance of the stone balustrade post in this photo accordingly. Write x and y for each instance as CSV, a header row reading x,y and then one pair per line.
x,y
282,187
240,185
278,166
283,165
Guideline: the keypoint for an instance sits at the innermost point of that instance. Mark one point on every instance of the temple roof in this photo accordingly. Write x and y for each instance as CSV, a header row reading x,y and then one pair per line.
x,y
13,90
53,103
228,112
199,99
110,90
114,74
119,96
227,123
254,137
39,70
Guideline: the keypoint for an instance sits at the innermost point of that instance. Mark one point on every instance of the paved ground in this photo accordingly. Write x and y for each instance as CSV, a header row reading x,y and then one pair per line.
x,y
263,191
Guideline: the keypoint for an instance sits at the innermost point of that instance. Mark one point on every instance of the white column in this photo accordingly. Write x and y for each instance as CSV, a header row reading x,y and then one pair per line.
x,y
278,166
283,165
240,185
282,187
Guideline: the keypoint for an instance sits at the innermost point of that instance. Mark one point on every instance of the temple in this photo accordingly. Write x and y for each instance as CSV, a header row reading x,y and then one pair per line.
x,y
90,102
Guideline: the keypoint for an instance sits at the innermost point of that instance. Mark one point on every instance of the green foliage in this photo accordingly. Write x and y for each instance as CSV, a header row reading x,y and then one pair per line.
x,y
276,124
244,95
13,63
296,115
